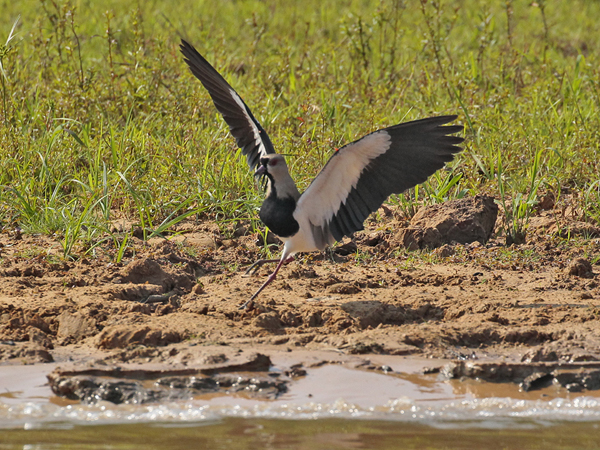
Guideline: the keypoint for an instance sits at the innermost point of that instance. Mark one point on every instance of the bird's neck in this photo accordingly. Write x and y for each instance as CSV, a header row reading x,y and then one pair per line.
x,y
282,188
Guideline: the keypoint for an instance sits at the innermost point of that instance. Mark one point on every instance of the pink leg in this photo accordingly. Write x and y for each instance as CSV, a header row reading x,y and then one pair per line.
x,y
266,283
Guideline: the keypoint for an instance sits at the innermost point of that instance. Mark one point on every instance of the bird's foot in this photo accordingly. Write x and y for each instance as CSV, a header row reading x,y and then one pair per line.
x,y
248,305
257,265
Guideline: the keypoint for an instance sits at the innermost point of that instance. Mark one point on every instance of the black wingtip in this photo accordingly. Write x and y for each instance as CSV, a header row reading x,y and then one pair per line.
x,y
184,45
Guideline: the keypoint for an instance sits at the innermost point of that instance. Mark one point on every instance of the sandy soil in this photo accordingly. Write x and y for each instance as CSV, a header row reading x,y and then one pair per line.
x,y
535,303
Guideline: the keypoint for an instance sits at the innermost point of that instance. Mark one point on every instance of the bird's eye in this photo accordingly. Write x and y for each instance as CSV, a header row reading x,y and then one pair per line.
x,y
273,162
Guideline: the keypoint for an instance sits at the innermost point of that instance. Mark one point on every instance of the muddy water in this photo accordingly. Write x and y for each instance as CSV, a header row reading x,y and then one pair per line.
x,y
332,407
326,434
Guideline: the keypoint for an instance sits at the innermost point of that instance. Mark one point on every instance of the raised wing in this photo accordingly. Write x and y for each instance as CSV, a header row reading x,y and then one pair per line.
x,y
246,130
360,176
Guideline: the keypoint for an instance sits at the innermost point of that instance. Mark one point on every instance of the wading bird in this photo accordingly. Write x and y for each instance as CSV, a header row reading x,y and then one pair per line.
x,y
354,183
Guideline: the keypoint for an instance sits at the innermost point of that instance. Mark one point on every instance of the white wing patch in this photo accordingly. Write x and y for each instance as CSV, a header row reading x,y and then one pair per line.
x,y
255,131
330,189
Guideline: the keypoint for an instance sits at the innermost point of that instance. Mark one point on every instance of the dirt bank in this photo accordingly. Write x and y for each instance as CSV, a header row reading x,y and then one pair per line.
x,y
539,302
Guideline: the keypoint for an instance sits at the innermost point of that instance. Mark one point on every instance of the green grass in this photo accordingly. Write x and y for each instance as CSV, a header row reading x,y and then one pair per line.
x,y
100,119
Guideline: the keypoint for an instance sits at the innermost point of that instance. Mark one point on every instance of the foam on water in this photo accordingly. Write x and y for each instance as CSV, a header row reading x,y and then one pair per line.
x,y
329,392
483,411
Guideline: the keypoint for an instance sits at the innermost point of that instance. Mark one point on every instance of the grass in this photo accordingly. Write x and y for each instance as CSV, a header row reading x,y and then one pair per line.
x,y
101,120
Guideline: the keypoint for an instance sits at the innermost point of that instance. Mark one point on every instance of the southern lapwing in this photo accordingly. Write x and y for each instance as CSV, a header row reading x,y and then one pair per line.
x,y
354,183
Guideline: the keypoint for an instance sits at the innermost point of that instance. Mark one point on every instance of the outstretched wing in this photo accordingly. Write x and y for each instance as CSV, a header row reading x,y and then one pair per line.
x,y
361,175
246,130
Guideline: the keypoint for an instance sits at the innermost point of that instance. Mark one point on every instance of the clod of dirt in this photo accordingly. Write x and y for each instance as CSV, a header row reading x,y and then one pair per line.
x,y
536,380
149,278
584,229
547,223
271,239
367,314
124,385
198,289
142,271
575,377
548,201
580,267
121,336
200,241
269,321
344,288
445,251
73,327
91,389
463,221
418,238
346,249
37,336
26,352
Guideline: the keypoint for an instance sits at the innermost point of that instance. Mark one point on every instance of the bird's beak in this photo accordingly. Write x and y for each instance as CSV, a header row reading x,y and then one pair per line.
x,y
260,171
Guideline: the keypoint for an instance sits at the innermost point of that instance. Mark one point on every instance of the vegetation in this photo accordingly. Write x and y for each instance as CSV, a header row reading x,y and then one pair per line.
x,y
100,119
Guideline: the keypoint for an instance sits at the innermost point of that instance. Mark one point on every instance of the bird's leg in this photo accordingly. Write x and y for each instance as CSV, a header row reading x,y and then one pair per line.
x,y
283,261
257,265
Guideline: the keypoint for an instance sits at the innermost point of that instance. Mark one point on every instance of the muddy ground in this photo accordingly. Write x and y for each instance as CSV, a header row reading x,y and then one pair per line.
x,y
176,301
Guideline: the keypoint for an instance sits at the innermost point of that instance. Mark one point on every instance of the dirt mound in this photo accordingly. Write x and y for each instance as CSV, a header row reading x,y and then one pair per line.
x,y
459,221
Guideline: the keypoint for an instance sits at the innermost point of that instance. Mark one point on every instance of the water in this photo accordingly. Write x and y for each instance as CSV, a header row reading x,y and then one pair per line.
x,y
334,407
325,434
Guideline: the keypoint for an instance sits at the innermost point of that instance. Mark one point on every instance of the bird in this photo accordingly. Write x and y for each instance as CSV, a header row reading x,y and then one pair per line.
x,y
354,182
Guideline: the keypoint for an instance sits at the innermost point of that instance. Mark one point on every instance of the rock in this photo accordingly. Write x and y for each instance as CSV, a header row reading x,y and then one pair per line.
x,y
580,267
462,221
